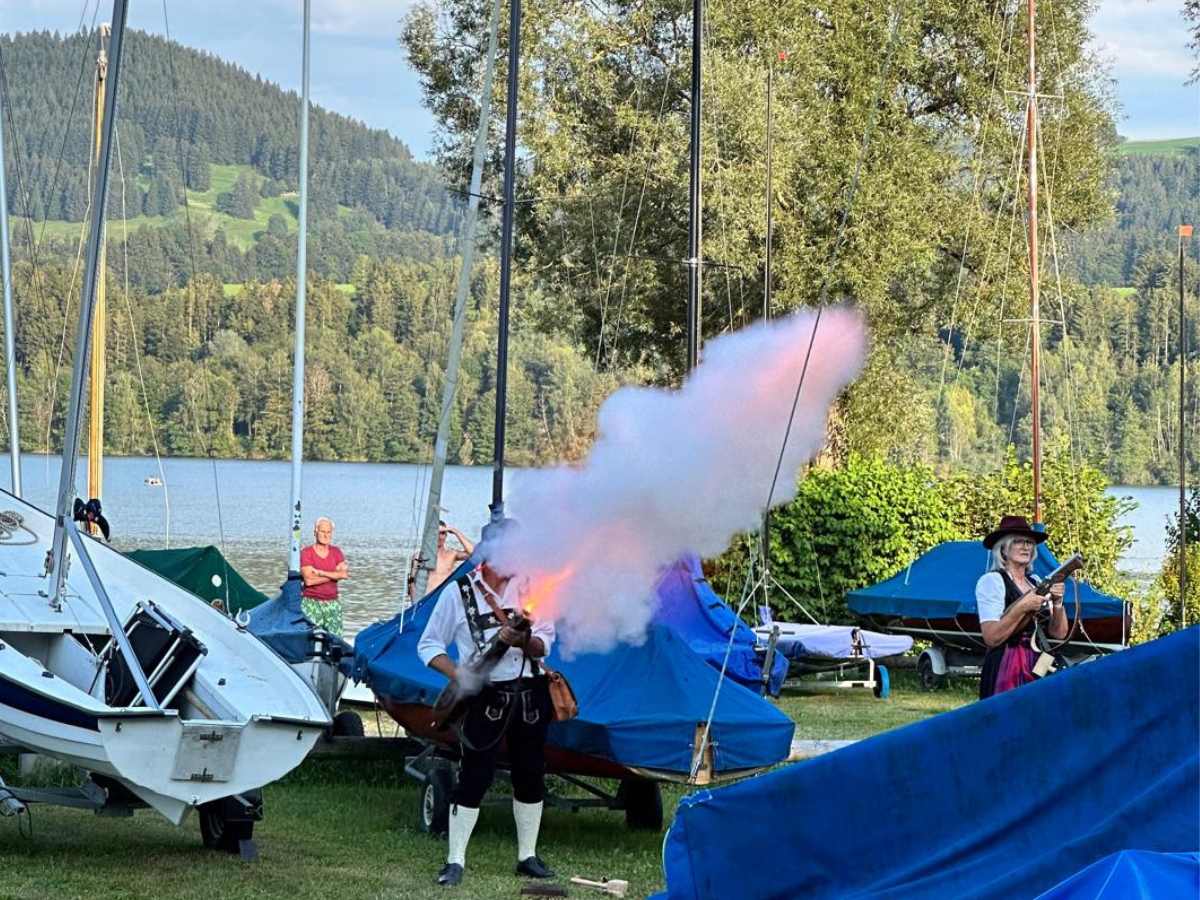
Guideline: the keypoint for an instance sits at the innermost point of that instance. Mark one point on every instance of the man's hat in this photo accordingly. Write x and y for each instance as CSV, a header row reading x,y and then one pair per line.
x,y
1014,525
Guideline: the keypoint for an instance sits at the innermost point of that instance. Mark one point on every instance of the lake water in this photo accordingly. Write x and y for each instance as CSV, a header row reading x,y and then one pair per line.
x,y
376,508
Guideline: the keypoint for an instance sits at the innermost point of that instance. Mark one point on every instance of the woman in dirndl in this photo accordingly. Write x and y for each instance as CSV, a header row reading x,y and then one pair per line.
x,y
1007,602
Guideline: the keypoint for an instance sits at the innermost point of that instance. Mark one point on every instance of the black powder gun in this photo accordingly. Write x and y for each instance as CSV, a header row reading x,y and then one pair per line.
x,y
450,708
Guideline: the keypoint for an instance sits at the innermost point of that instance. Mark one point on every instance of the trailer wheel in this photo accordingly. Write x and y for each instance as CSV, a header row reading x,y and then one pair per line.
x,y
642,801
435,802
930,680
225,823
348,724
883,683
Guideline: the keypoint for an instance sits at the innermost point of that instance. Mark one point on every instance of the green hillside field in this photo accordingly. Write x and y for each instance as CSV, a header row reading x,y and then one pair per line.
x,y
240,232
1173,147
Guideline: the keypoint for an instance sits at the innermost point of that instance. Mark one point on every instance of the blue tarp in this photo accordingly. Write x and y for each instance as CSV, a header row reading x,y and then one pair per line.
x,y
281,625
941,584
998,799
638,706
689,606
1133,875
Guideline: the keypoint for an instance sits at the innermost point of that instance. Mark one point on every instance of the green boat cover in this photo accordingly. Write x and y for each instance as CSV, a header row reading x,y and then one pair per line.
x,y
204,572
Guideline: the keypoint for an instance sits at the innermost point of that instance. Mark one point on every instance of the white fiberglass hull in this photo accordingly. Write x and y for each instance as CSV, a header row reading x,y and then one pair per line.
x,y
240,718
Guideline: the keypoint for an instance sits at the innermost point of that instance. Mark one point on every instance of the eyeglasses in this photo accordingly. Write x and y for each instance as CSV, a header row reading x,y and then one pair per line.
x,y
1022,542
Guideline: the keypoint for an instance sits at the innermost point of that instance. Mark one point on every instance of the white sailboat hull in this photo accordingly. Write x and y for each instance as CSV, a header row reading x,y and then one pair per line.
x,y
235,720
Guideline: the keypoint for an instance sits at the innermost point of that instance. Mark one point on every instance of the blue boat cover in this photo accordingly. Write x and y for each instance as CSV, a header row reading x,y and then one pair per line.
x,y
638,706
689,606
1133,875
941,584
814,643
281,625
1000,798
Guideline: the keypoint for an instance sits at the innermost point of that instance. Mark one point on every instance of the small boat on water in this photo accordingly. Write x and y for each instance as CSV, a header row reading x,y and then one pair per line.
x,y
153,481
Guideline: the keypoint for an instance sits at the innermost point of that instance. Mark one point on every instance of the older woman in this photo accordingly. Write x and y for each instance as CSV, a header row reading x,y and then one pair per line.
x,y
1007,604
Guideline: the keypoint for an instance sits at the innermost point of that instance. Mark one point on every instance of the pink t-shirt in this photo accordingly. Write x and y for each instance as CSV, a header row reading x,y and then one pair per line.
x,y
329,590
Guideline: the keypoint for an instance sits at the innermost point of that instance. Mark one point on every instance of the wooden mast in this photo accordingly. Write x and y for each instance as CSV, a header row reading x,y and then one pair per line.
x,y
1031,135
99,317
1185,231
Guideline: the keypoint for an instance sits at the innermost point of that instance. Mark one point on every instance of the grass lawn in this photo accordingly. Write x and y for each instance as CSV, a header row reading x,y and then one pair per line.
x,y
349,830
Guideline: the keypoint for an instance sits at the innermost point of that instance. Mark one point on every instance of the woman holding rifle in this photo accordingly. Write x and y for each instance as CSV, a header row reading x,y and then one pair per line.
x,y
1007,600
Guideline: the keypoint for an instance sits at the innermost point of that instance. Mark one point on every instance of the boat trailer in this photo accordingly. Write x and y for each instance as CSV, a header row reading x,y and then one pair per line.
x,y
436,769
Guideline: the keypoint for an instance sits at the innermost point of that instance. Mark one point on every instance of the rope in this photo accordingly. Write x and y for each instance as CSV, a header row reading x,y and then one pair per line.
x,y
751,587
977,157
191,285
137,354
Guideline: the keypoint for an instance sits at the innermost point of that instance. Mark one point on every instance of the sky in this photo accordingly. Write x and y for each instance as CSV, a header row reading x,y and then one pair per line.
x,y
359,69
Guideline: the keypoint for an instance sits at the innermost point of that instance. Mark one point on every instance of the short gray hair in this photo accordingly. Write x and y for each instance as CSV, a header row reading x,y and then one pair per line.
x,y
328,521
1000,551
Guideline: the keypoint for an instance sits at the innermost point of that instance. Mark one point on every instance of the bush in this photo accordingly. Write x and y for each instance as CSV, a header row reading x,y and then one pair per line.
x,y
849,527
862,522
1078,514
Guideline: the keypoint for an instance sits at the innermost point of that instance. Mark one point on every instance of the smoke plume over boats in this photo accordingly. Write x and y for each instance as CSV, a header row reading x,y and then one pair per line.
x,y
673,472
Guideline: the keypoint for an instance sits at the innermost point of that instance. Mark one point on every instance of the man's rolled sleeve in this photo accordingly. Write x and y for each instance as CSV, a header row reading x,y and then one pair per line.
x,y
438,633
545,632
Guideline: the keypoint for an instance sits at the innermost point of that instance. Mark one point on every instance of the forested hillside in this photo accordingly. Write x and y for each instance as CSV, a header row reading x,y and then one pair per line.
x,y
187,119
1157,187
207,368
876,204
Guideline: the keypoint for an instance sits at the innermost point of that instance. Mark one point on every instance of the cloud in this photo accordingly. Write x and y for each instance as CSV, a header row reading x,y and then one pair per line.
x,y
1143,38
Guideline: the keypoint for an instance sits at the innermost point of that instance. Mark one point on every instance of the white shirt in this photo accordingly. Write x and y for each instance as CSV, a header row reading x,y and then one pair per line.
x,y
448,624
989,595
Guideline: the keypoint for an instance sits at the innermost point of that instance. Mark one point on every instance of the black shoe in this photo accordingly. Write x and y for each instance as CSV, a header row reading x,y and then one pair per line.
x,y
533,867
450,875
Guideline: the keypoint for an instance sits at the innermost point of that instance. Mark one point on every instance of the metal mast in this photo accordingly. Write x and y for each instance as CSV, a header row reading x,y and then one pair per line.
x,y
301,289
766,310
95,480
10,355
506,234
428,553
694,261
1031,130
66,482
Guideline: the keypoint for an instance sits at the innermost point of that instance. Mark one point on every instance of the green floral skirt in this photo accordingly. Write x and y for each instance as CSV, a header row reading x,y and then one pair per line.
x,y
324,614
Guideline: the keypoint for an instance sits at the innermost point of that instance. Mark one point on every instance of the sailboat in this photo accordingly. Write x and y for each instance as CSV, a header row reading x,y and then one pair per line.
x,y
934,598
638,706
163,701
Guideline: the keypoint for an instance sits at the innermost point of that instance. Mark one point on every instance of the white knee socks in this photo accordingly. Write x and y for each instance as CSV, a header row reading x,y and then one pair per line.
x,y
462,823
528,817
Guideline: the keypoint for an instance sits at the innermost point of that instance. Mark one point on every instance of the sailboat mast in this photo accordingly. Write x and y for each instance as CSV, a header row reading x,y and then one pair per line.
x,y
694,261
66,481
10,354
428,554
766,310
506,234
1185,231
301,292
1031,131
98,369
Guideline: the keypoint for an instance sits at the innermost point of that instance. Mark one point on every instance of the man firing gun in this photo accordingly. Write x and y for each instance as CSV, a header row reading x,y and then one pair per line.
x,y
494,693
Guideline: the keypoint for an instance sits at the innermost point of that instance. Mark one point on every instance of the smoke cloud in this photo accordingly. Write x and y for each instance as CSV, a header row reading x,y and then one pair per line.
x,y
673,472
